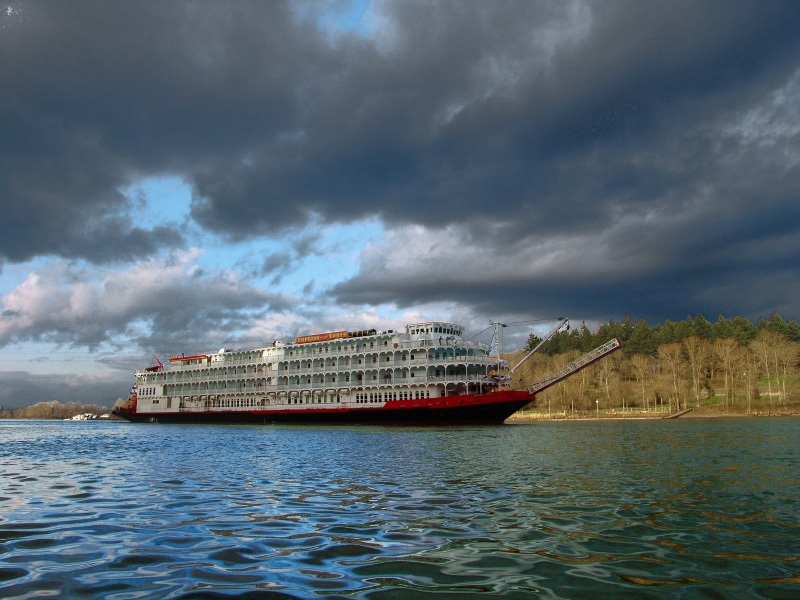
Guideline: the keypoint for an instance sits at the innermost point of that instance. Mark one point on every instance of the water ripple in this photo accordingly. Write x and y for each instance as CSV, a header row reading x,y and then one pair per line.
x,y
643,509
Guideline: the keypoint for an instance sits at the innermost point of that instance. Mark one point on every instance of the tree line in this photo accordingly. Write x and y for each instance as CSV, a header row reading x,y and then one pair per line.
x,y
730,365
52,410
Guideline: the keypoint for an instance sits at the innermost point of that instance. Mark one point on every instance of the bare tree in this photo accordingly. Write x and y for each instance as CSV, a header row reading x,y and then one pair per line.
x,y
671,356
765,347
747,370
642,367
786,357
607,371
696,349
725,352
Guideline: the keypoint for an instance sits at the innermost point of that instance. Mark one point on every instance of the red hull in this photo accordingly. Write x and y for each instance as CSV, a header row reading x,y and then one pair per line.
x,y
489,408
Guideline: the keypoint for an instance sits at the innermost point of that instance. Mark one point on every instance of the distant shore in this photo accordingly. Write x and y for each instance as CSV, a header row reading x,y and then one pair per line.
x,y
695,413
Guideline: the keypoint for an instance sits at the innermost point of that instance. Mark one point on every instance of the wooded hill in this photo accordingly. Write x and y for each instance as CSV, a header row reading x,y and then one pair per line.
x,y
731,365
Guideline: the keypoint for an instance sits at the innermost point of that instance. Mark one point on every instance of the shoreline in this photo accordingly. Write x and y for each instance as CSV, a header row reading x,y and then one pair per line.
x,y
691,414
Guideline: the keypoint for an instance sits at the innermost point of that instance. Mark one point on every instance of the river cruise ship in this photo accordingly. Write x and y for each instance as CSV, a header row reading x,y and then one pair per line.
x,y
426,374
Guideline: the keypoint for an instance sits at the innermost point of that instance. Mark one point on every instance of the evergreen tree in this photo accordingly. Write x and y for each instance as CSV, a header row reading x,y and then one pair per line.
x,y
533,341
723,328
587,339
666,333
743,330
793,331
777,324
683,329
642,340
702,328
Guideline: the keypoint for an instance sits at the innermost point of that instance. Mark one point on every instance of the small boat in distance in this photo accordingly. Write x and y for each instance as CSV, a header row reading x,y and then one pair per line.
x,y
83,417
427,374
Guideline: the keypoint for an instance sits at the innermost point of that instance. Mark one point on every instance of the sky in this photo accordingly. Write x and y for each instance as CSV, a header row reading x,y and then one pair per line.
x,y
186,176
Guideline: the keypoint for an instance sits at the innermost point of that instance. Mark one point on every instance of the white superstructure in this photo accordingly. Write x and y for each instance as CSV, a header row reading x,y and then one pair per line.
x,y
428,360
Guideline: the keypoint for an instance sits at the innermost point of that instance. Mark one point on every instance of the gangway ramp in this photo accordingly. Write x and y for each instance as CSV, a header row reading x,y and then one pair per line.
x,y
575,366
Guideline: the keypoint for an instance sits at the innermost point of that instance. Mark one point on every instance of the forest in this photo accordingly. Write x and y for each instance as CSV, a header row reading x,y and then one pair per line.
x,y
729,366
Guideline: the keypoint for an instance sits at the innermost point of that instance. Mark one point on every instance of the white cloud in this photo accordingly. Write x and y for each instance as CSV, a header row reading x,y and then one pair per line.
x,y
775,122
451,256
72,305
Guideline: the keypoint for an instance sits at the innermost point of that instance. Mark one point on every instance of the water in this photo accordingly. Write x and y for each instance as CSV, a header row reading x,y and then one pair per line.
x,y
635,509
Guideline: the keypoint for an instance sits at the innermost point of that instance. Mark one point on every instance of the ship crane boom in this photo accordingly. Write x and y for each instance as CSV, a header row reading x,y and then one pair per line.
x,y
563,325
156,367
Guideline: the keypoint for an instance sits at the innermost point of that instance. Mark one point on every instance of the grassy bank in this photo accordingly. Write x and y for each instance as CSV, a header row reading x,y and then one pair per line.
x,y
709,408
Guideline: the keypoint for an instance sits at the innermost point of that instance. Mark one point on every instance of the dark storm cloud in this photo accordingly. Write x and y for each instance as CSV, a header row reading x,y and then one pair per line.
x,y
96,95
545,119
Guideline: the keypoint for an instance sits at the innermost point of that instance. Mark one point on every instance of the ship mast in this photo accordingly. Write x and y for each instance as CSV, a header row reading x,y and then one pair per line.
x,y
497,341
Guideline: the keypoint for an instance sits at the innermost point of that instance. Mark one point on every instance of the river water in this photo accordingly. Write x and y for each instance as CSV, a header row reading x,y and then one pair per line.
x,y
627,509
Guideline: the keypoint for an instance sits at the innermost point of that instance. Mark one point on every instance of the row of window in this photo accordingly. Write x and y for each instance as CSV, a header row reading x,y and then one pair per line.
x,y
193,376
438,329
307,380
365,398
325,349
387,358
235,403
329,364
360,398
317,400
